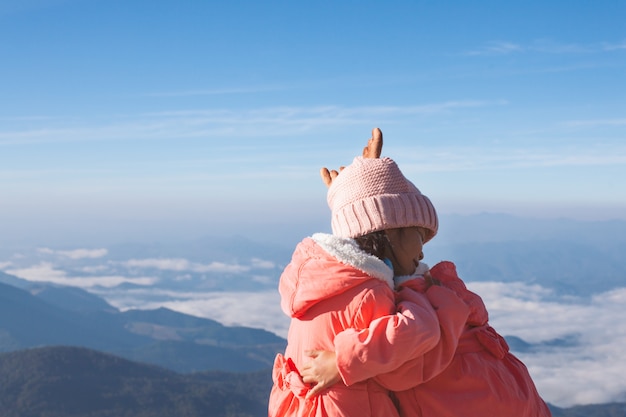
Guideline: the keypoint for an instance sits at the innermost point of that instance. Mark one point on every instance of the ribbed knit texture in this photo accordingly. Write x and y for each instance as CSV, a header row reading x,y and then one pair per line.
x,y
372,194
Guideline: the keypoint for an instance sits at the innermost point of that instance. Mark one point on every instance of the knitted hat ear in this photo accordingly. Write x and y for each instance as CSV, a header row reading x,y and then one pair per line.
x,y
373,150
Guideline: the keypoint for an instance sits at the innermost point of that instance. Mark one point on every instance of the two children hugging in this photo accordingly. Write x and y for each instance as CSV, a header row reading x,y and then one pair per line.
x,y
374,331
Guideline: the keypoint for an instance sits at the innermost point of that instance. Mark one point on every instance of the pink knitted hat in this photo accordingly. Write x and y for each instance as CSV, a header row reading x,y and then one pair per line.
x,y
371,194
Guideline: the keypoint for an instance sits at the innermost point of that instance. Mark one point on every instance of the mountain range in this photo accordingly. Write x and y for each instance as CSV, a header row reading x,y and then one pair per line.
x,y
570,257
78,382
49,315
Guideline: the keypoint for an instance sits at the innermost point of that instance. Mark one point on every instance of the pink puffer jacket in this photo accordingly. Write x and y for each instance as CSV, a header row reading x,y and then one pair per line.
x,y
469,373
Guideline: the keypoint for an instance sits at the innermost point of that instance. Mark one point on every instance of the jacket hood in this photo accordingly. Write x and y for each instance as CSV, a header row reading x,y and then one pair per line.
x,y
324,266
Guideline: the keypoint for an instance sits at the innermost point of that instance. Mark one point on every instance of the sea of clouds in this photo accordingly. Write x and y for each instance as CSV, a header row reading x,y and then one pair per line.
x,y
588,370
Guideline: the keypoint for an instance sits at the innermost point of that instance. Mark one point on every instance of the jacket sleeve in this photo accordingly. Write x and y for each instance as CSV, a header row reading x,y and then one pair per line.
x,y
396,344
378,301
452,313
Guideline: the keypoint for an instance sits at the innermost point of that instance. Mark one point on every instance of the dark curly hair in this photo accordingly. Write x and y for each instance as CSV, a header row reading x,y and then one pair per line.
x,y
374,243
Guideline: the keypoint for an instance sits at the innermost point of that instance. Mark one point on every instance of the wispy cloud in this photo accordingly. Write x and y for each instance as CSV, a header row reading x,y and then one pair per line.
x,y
251,123
179,264
460,159
615,46
217,91
262,264
543,46
497,48
76,253
93,269
46,272
595,123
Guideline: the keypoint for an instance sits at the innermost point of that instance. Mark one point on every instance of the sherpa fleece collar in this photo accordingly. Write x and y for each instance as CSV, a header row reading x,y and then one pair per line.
x,y
348,252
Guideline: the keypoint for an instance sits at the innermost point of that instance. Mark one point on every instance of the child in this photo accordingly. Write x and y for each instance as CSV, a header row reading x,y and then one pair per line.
x,y
345,281
467,374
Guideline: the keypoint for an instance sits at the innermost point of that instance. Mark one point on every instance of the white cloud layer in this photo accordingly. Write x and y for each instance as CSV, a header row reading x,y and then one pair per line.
x,y
180,264
591,372
45,272
76,253
262,264
259,309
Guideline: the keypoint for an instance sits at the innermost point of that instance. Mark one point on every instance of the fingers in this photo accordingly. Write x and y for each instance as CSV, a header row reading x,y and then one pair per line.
x,y
307,371
329,176
314,391
309,377
312,353
375,145
321,372
325,174
430,280
373,150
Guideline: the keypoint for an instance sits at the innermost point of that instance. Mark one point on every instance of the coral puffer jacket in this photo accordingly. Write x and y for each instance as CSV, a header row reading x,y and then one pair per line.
x,y
480,377
329,286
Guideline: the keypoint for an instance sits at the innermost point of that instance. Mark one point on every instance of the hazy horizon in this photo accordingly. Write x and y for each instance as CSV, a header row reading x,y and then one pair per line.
x,y
173,120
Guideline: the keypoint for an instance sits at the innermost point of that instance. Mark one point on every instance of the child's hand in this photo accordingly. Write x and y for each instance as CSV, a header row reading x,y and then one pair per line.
x,y
321,372
372,150
375,145
430,280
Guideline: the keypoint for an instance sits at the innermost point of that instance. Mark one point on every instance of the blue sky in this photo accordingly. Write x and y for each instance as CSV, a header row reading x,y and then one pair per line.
x,y
139,120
